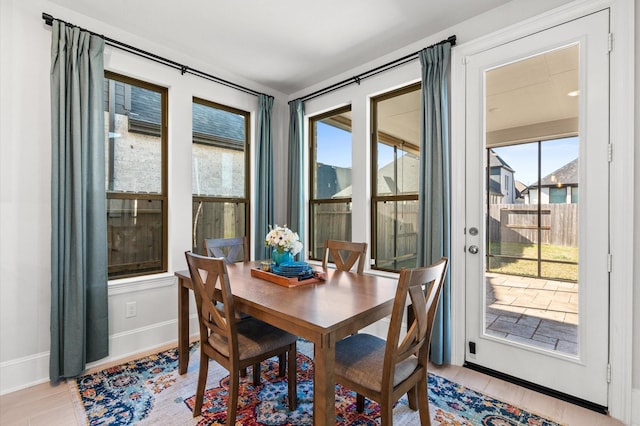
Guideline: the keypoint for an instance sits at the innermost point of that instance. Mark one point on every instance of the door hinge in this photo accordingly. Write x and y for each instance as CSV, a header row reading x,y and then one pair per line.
x,y
610,152
609,262
608,373
610,42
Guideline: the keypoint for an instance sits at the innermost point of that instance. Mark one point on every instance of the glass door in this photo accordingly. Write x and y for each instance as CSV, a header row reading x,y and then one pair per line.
x,y
537,209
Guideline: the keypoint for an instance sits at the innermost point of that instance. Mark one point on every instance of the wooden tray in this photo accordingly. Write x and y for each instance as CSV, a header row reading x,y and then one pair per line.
x,y
280,280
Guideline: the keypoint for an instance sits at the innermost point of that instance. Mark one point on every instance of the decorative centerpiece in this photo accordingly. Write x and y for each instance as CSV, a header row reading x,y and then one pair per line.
x,y
284,242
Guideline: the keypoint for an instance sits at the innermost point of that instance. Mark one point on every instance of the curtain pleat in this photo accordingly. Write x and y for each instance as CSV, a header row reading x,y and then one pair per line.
x,y
79,305
295,193
434,200
264,175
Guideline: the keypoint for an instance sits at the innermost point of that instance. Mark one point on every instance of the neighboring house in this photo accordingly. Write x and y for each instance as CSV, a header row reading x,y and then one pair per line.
x,y
558,187
396,177
502,185
520,188
218,143
332,181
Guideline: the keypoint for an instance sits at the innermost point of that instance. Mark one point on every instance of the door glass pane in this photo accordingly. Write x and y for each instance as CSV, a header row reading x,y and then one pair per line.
x,y
532,148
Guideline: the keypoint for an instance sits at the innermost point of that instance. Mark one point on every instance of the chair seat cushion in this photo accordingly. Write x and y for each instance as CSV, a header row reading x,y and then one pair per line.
x,y
360,358
254,338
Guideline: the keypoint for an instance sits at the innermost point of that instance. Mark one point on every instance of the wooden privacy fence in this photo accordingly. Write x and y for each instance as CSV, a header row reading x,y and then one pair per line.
x,y
399,219
217,219
331,222
134,241
518,223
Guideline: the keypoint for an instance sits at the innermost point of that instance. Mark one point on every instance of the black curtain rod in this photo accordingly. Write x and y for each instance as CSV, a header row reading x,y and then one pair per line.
x,y
48,19
374,71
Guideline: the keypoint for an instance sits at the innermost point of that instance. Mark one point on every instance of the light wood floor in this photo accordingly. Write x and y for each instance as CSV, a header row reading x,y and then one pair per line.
x,y
53,405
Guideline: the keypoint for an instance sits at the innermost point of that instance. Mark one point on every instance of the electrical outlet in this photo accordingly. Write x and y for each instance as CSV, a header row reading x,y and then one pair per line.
x,y
130,310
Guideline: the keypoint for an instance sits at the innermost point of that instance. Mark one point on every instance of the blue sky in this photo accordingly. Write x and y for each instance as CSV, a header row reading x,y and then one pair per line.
x,y
332,149
522,158
333,141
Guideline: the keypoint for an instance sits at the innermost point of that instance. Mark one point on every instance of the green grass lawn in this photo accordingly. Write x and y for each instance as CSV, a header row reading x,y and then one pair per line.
x,y
561,271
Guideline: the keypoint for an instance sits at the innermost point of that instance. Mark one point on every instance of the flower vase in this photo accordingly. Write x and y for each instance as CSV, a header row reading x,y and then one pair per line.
x,y
281,257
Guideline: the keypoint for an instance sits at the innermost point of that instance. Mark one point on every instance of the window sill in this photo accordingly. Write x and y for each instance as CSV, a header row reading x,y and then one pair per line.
x,y
144,282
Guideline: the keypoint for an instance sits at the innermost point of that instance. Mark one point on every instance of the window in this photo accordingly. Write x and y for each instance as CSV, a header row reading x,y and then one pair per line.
x,y
136,167
557,195
330,194
220,172
395,178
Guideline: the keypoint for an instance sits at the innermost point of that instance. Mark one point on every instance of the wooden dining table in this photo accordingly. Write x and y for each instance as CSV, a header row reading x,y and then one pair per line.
x,y
322,312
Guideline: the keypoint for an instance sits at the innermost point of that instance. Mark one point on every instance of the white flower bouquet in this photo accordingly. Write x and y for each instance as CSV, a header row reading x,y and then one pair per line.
x,y
282,239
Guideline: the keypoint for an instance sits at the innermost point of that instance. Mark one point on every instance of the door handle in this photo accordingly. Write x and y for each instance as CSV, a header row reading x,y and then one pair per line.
x,y
473,249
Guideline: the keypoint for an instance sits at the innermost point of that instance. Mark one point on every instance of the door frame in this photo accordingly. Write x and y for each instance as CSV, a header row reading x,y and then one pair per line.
x,y
622,177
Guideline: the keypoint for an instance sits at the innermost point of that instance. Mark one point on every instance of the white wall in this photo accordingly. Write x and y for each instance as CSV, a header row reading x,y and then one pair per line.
x,y
358,96
25,189
25,175
635,415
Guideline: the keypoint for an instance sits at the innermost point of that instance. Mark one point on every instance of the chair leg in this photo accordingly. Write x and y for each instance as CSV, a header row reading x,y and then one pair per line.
x,y
256,374
202,382
359,403
386,412
423,403
281,364
234,388
411,397
292,378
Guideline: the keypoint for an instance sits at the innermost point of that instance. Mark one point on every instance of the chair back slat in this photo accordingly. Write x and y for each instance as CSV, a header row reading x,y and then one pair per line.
x,y
422,286
207,274
344,255
231,249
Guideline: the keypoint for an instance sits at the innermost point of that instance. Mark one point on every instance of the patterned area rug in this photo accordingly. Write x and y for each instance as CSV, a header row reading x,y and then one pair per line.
x,y
149,391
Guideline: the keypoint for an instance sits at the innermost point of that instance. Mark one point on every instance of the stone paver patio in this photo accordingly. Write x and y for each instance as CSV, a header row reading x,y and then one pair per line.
x,y
538,312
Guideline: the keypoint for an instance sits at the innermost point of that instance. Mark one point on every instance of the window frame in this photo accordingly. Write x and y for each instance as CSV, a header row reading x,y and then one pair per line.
x,y
246,200
394,142
313,200
162,196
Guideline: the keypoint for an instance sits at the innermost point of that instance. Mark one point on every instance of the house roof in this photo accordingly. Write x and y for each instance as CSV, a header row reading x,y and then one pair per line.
x,y
496,161
408,171
565,175
210,125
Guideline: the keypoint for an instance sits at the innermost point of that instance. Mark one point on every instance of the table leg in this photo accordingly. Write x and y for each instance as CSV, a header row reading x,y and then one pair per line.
x,y
183,326
324,404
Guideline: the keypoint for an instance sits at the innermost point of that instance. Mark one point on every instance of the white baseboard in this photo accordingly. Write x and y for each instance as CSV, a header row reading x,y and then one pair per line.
x,y
635,407
24,372
33,370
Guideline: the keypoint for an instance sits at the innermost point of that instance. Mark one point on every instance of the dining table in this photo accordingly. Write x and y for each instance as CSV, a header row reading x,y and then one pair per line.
x,y
321,312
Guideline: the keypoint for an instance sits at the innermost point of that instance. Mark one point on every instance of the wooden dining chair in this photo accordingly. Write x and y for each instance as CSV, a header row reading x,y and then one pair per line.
x,y
344,255
384,371
232,343
232,249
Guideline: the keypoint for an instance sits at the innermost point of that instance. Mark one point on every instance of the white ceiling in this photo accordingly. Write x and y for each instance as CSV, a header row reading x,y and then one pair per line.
x,y
287,45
